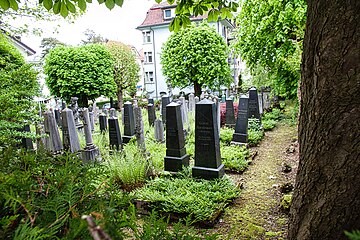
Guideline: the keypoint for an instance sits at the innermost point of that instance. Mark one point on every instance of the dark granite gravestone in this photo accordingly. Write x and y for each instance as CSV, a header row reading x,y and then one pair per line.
x,y
90,152
165,100
103,122
151,114
151,101
253,104
176,156
114,133
70,137
240,136
129,122
57,117
229,114
27,142
207,143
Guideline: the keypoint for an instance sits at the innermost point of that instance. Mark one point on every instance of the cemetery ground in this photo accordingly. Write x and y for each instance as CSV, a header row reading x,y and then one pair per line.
x,y
45,196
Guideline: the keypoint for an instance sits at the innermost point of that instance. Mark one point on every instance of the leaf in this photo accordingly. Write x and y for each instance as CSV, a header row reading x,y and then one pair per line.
x,y
119,2
14,4
63,10
48,4
56,7
89,1
110,4
82,5
101,1
4,4
70,6
158,1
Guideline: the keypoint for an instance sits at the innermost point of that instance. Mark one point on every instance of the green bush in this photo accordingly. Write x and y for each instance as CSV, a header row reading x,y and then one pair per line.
x,y
268,124
226,135
234,158
255,136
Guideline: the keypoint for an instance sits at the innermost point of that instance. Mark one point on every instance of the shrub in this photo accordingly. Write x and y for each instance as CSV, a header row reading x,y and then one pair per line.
x,y
226,135
234,158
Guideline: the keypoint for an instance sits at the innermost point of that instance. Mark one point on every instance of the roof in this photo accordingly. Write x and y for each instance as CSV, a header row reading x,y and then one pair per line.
x,y
155,16
17,41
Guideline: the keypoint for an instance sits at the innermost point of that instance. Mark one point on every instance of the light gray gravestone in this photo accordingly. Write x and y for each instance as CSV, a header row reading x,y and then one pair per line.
x,y
139,129
114,133
92,121
91,152
184,112
265,91
197,99
240,136
129,122
218,114
260,100
52,142
207,142
191,102
159,130
70,136
176,156
74,107
229,114
57,117
40,142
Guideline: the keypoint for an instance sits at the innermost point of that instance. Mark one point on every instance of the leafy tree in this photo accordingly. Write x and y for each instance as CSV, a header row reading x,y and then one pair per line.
x,y
49,43
84,72
270,36
126,70
18,86
197,56
92,37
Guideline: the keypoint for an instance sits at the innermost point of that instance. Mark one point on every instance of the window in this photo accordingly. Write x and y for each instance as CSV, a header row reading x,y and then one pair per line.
x,y
146,37
149,77
148,57
167,14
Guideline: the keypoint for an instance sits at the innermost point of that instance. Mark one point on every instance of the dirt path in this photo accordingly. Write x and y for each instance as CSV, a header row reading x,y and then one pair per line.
x,y
256,214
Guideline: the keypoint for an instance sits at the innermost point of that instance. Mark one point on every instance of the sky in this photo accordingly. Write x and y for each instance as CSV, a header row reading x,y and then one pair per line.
x,y
118,24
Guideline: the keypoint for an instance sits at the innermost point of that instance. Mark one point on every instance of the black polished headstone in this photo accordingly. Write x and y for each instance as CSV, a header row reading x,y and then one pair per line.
x,y
27,142
103,122
176,156
151,101
253,104
151,114
240,135
207,143
114,133
165,100
129,122
229,114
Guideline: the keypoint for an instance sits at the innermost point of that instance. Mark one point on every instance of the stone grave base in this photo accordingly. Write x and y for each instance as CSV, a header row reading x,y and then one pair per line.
x,y
126,139
239,139
175,164
90,155
208,173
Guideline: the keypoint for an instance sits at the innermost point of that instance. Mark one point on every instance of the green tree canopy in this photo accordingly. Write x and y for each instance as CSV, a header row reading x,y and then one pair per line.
x,y
196,55
270,36
85,72
18,86
126,70
49,43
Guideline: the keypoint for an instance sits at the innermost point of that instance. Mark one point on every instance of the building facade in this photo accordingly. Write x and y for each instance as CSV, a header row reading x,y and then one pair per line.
x,y
155,32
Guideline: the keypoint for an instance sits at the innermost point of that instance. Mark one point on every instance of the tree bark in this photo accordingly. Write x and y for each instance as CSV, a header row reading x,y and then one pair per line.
x,y
83,101
197,89
326,199
120,99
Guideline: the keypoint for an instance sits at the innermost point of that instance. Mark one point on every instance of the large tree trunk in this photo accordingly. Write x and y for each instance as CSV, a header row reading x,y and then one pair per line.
x,y
326,199
120,99
197,89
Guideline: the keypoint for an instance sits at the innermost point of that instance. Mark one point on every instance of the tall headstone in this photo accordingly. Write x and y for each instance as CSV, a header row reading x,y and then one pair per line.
x,y
114,133
151,114
197,99
191,102
57,117
139,129
159,130
103,122
253,104
112,112
151,101
27,142
265,91
165,100
91,152
240,135
96,112
260,100
176,156
129,122
218,113
53,142
92,121
70,136
74,107
184,112
229,114
207,142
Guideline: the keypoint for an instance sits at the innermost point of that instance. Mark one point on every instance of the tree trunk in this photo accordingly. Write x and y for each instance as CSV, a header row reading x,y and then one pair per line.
x,y
120,99
197,89
83,101
326,199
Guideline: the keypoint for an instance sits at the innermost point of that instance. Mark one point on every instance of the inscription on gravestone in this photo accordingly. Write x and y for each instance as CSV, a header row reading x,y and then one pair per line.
x,y
129,122
253,104
114,133
240,135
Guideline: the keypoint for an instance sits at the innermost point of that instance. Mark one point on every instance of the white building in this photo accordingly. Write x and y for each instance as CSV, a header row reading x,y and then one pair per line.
x,y
155,30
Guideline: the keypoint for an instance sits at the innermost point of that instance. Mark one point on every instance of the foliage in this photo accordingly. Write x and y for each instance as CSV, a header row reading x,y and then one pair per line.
x,y
255,132
49,43
234,157
84,72
126,70
286,202
18,86
226,135
268,124
270,41
353,235
92,37
203,56
270,119
187,196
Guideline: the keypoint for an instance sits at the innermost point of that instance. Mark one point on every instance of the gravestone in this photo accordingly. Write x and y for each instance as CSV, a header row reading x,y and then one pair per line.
x,y
74,107
57,117
63,105
129,122
223,98
229,114
106,112
103,122
202,95
70,136
265,91
197,99
52,142
112,112
90,152
218,113
207,142
184,112
114,133
151,101
260,100
191,102
139,129
159,130
165,100
151,114
240,136
176,156
92,121
27,142
253,104
40,142
96,112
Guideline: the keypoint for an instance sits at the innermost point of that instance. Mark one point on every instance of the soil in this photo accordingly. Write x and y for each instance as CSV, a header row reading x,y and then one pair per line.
x,y
257,213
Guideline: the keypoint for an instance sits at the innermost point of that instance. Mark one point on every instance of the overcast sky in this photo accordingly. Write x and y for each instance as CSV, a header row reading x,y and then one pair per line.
x,y
118,24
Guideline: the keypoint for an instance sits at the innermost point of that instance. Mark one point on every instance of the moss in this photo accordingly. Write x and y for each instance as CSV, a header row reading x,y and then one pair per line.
x,y
286,202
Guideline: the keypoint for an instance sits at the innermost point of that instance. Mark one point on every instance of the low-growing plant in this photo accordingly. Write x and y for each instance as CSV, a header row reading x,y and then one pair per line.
x,y
268,124
353,235
226,135
235,158
254,136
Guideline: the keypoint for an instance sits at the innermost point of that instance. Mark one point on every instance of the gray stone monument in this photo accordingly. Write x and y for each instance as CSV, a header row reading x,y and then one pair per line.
x,y
159,130
70,136
165,100
254,104
197,99
265,91
184,111
27,142
52,142
207,143
191,102
103,122
229,114
114,133
151,114
92,121
240,136
57,117
139,129
40,142
129,122
90,152
218,113
260,100
176,156
74,107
